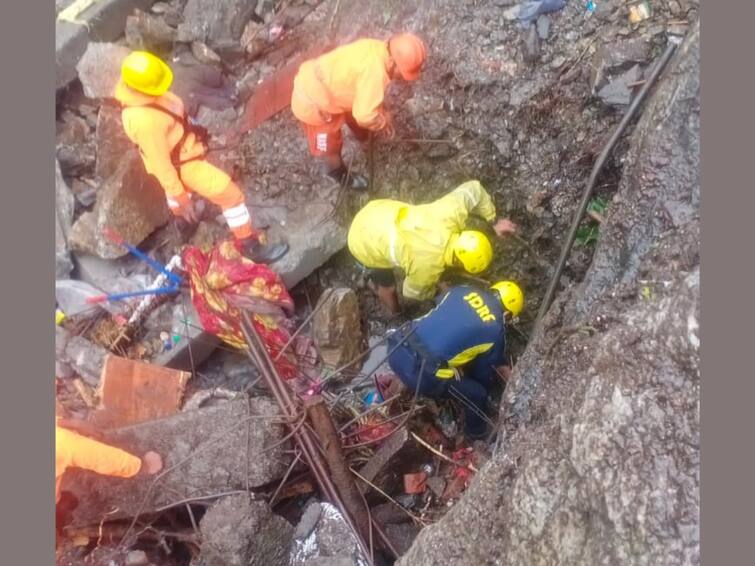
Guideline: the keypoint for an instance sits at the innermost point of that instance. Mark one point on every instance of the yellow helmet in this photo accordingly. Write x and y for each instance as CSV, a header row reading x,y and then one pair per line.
x,y
473,250
511,295
146,73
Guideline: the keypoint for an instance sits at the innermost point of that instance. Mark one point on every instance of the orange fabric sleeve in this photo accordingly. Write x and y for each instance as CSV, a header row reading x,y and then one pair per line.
x,y
156,152
89,454
368,99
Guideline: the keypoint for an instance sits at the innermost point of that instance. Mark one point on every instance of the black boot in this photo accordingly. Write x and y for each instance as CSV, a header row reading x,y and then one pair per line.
x,y
355,181
260,253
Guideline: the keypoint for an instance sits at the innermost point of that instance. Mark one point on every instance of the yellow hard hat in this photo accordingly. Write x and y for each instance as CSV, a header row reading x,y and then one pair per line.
x,y
473,250
146,73
512,297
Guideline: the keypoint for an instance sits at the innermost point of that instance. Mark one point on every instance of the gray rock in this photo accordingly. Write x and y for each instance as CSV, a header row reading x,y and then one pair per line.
x,y
543,26
512,13
100,68
130,202
599,458
73,145
402,536
147,32
337,327
313,236
239,532
215,22
71,42
111,142
85,358
217,122
85,192
136,558
531,45
308,521
63,369
195,345
617,92
558,61
63,218
95,270
605,9
217,445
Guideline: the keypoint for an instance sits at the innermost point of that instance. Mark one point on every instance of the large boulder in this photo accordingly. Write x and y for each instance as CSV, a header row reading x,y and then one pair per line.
x,y
100,68
111,141
240,532
206,451
215,22
337,326
130,202
598,458
63,218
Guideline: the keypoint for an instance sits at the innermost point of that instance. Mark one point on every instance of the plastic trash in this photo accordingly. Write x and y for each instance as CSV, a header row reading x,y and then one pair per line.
x,y
529,11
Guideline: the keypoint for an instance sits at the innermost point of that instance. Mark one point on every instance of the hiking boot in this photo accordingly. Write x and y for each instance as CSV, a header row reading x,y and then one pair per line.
x,y
264,253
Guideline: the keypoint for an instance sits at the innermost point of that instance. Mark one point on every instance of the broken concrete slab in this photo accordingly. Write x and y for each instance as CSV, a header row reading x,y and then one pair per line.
x,y
111,141
86,358
239,532
313,235
215,22
133,392
204,452
618,92
194,345
97,271
402,536
337,328
387,453
71,42
330,541
99,68
130,202
64,206
74,147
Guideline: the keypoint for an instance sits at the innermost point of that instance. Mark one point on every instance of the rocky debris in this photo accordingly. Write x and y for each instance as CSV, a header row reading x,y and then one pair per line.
x,y
71,42
213,449
85,358
618,92
217,122
136,558
63,369
100,68
395,448
604,10
111,141
615,58
85,191
240,532
151,33
531,47
63,221
130,202
313,235
402,536
215,22
73,144
323,537
337,327
543,27
201,83
599,456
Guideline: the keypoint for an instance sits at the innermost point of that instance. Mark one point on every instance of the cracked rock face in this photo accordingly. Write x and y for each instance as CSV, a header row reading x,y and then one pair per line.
x,y
598,462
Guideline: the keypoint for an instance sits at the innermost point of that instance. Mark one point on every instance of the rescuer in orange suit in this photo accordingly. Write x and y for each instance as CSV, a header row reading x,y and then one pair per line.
x,y
347,85
74,450
174,150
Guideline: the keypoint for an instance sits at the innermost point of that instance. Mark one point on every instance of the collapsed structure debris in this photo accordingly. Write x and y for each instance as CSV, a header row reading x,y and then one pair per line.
x,y
266,389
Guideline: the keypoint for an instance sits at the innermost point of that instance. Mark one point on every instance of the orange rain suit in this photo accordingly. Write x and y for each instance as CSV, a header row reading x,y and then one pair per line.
x,y
349,81
75,450
157,134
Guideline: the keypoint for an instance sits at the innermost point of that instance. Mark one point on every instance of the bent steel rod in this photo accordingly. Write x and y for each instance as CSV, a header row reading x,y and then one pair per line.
x,y
260,357
596,170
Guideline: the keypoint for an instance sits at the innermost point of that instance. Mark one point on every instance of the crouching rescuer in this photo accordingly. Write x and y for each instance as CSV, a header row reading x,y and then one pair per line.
x,y
175,151
347,85
456,350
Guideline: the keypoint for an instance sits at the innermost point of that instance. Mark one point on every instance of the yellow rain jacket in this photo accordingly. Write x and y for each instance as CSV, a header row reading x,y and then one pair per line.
x,y
417,238
74,450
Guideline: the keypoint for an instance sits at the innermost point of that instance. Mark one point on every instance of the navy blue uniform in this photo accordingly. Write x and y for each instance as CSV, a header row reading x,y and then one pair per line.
x,y
466,331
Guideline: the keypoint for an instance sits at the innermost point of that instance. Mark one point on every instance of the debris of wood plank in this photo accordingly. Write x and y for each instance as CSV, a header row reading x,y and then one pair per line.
x,y
85,392
134,392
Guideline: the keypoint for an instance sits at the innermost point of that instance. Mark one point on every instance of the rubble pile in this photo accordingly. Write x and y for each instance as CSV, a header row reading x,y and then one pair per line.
x,y
520,95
